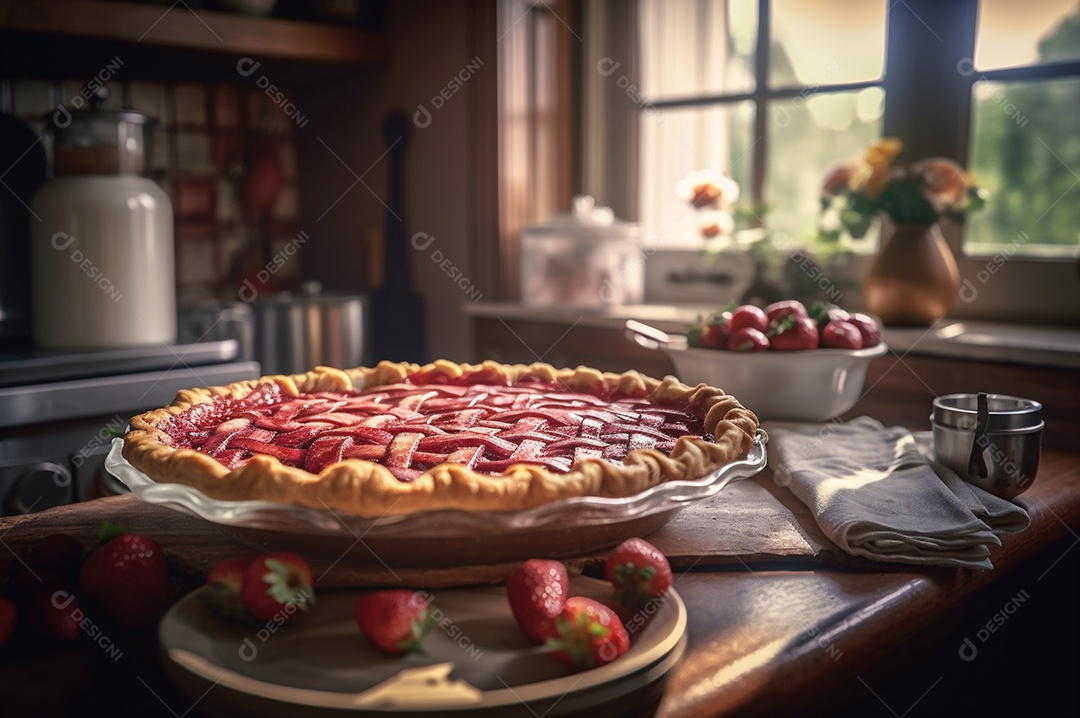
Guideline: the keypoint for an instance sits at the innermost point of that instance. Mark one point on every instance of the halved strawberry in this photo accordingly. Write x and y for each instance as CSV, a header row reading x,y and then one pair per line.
x,y
394,620
224,584
275,586
589,634
639,572
537,591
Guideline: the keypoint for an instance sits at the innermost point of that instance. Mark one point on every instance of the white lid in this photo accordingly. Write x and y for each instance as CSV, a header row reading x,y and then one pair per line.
x,y
586,221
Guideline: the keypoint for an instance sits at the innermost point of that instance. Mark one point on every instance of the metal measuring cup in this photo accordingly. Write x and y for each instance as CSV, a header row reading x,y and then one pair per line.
x,y
990,440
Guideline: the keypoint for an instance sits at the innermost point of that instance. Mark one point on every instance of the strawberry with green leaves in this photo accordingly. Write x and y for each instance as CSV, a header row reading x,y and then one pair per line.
x,y
277,586
128,576
639,572
394,620
223,589
589,634
537,591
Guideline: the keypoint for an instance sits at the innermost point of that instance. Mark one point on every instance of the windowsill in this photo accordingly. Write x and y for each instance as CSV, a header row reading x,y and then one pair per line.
x,y
977,341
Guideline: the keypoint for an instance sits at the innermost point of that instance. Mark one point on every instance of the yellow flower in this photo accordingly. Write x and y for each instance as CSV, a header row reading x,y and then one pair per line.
x,y
874,172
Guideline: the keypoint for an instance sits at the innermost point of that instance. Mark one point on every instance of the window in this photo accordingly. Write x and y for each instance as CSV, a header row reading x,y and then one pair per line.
x,y
774,92
1024,144
774,121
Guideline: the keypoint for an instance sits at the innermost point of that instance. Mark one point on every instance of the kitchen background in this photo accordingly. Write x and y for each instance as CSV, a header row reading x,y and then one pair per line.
x,y
273,148
231,146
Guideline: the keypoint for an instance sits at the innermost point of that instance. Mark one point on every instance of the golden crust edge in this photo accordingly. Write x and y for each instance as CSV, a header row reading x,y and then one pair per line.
x,y
369,490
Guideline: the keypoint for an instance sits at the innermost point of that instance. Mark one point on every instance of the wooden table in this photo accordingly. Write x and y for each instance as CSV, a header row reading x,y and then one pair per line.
x,y
763,639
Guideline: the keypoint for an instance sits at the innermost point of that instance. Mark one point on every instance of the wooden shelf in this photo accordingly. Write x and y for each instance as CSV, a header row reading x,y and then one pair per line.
x,y
144,29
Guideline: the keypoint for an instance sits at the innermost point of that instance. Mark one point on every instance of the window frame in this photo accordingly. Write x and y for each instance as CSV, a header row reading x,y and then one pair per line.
x,y
933,117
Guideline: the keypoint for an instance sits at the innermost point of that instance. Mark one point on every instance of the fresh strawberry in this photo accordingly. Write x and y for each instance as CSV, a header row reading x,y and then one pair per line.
x,y
748,316
537,591
275,585
589,634
223,587
747,339
394,620
55,614
8,617
129,577
639,572
868,327
57,556
794,334
839,334
715,336
788,307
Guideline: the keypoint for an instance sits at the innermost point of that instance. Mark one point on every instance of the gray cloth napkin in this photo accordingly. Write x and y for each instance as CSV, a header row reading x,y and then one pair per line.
x,y
875,494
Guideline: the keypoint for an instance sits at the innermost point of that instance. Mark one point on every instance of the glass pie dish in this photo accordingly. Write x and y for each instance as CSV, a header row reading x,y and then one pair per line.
x,y
560,529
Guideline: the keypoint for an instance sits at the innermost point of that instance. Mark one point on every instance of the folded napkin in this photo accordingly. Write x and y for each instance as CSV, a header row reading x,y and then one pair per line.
x,y
875,494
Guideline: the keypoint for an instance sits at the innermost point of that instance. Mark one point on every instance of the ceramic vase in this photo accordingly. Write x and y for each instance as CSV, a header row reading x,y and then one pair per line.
x,y
914,279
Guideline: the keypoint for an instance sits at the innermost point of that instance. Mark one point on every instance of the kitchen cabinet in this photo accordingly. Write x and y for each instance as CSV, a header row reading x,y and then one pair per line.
x,y
73,38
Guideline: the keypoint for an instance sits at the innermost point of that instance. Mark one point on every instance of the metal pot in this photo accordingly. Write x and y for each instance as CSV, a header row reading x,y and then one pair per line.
x,y
296,332
995,446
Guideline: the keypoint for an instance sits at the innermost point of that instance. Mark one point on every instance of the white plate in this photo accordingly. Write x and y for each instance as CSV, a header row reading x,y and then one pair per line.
x,y
476,661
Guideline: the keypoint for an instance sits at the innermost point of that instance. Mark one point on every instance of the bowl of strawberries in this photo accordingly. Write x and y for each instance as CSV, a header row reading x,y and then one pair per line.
x,y
785,361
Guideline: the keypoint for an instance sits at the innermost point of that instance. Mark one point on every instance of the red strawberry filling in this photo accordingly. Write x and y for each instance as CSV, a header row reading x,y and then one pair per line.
x,y
413,426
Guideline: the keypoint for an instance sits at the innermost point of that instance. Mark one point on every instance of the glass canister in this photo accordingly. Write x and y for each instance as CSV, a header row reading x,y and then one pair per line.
x,y
584,259
102,244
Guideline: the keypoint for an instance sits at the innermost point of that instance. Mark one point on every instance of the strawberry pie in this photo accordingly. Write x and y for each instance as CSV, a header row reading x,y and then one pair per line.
x,y
400,438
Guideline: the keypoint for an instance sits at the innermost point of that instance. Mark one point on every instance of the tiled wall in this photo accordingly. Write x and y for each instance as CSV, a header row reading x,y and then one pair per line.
x,y
218,148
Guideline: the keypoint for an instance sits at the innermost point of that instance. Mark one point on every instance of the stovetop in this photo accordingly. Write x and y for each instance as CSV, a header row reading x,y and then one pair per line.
x,y
38,367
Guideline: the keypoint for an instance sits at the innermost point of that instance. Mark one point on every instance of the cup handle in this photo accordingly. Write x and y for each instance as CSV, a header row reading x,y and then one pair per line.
x,y
977,462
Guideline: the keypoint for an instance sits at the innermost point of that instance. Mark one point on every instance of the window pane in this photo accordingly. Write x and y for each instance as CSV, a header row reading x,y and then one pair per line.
x,y
1026,152
679,141
808,136
697,47
1015,33
826,42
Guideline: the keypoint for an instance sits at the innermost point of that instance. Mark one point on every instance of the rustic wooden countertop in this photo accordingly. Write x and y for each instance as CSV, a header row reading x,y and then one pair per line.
x,y
763,639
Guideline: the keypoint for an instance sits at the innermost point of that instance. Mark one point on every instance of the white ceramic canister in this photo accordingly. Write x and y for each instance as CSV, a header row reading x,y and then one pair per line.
x,y
102,238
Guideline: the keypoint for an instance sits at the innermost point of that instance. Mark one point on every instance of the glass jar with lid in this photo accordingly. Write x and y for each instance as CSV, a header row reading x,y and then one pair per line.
x,y
103,271
583,259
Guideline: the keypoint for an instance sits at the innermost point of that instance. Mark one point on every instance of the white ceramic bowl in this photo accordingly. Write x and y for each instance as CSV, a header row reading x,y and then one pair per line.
x,y
811,385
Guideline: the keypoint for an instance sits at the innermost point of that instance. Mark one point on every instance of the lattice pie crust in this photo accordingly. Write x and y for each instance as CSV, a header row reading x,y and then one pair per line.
x,y
373,461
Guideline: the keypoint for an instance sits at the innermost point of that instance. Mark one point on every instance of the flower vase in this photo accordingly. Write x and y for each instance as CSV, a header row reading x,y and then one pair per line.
x,y
914,279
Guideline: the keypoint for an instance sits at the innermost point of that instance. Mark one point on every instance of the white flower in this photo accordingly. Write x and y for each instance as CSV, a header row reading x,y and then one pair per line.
x,y
707,189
